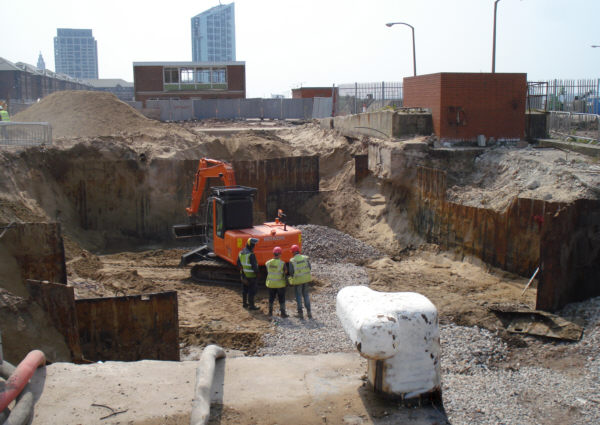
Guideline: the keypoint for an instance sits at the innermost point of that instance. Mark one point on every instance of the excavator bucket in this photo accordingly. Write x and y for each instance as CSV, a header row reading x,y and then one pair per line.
x,y
182,231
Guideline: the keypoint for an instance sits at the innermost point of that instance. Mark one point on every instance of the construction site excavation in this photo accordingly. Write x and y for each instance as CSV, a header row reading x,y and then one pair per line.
x,y
502,238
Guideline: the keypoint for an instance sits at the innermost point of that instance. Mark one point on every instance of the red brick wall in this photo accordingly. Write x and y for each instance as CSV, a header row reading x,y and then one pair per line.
x,y
464,105
310,92
424,91
236,78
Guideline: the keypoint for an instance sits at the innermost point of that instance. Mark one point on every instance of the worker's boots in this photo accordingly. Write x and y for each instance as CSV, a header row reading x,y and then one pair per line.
x,y
283,313
300,315
309,314
251,305
270,309
245,300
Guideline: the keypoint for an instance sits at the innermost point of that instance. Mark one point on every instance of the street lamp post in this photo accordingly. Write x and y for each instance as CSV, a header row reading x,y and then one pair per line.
x,y
494,42
413,41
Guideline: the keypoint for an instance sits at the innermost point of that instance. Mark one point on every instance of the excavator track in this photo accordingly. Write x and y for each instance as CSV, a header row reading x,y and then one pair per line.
x,y
215,271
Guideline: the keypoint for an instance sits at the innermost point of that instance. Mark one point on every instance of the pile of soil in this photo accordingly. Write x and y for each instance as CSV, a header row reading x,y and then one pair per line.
x,y
85,114
501,174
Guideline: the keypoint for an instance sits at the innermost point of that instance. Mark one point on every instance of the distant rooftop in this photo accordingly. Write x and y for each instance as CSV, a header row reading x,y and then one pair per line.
x,y
188,63
107,82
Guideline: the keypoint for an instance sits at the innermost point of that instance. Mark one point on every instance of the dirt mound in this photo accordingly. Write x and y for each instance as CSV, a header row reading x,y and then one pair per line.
x,y
501,174
85,114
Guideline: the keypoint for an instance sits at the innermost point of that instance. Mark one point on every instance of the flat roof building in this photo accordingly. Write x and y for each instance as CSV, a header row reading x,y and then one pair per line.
x,y
76,53
213,35
189,80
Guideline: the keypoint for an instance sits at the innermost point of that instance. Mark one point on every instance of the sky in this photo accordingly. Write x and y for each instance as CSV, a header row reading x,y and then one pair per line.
x,y
288,44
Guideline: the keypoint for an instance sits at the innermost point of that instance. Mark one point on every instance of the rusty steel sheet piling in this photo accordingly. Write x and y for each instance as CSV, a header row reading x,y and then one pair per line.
x,y
562,239
58,301
129,328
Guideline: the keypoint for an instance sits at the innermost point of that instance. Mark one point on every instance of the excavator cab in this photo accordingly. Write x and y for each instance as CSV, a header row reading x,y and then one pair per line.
x,y
231,207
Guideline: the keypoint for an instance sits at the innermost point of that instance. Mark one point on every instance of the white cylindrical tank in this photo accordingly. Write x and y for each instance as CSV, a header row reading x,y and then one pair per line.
x,y
398,333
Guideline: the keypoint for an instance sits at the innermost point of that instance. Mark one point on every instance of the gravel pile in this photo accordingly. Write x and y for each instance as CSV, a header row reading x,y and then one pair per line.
x,y
330,245
477,387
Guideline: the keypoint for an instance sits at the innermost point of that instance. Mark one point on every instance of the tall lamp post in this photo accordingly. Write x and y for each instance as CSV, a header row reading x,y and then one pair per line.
x,y
494,42
413,40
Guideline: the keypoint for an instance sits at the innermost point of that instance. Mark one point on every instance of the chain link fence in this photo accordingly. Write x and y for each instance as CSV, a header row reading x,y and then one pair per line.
x,y
25,134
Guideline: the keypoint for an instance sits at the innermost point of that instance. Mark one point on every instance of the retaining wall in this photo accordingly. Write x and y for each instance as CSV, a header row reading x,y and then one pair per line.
x,y
562,239
382,124
128,202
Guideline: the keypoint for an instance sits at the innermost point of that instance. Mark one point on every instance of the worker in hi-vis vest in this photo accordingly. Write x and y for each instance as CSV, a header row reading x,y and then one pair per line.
x,y
276,281
248,266
4,114
300,278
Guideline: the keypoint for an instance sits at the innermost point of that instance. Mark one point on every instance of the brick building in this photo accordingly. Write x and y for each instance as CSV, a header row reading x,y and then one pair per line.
x,y
189,80
465,105
311,92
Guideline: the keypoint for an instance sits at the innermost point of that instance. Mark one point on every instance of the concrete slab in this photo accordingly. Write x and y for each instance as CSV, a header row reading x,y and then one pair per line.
x,y
327,388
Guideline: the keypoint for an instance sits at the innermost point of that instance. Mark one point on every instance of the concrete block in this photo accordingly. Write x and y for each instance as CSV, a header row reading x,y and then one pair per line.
x,y
398,334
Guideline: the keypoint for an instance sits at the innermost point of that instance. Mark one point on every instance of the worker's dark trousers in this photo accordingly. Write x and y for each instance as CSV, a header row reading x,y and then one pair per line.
x,y
280,294
249,291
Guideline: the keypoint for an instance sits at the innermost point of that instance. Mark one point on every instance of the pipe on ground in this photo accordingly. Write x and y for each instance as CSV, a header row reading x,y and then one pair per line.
x,y
204,379
20,377
23,409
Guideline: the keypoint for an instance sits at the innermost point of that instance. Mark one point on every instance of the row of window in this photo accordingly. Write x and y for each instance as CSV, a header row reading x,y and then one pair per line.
x,y
195,75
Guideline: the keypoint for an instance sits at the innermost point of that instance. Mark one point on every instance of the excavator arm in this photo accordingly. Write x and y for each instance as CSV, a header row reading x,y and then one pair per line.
x,y
208,168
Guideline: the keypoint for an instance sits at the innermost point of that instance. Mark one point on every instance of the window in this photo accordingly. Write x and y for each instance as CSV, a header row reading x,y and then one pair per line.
x,y
203,75
187,75
171,75
218,76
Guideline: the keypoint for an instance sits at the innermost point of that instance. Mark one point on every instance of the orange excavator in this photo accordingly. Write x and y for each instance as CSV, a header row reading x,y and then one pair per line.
x,y
224,223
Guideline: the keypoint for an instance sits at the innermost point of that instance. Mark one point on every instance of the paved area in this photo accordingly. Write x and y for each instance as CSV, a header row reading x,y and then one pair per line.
x,y
261,390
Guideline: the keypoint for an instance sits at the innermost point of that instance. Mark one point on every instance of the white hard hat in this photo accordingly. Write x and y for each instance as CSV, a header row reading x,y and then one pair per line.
x,y
1,107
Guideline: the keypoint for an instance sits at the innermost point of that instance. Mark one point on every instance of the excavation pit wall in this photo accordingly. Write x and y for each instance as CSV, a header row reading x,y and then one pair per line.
x,y
559,238
122,204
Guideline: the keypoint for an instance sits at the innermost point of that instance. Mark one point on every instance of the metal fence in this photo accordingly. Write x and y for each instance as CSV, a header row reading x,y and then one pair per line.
x,y
25,133
574,126
362,97
582,96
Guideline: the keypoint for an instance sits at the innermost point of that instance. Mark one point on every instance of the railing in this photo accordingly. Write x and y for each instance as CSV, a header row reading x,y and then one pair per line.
x,y
362,97
581,96
25,133
575,126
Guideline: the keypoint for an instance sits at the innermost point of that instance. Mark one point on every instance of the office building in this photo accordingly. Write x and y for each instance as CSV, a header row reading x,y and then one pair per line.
x,y
213,35
76,53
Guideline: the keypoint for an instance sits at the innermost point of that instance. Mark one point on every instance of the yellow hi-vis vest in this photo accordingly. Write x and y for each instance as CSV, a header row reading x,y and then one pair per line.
x,y
4,116
275,277
301,270
246,265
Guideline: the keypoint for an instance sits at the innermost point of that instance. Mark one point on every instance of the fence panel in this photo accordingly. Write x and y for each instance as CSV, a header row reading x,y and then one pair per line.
x,y
582,96
364,97
205,109
25,133
575,126
322,107
176,110
251,108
